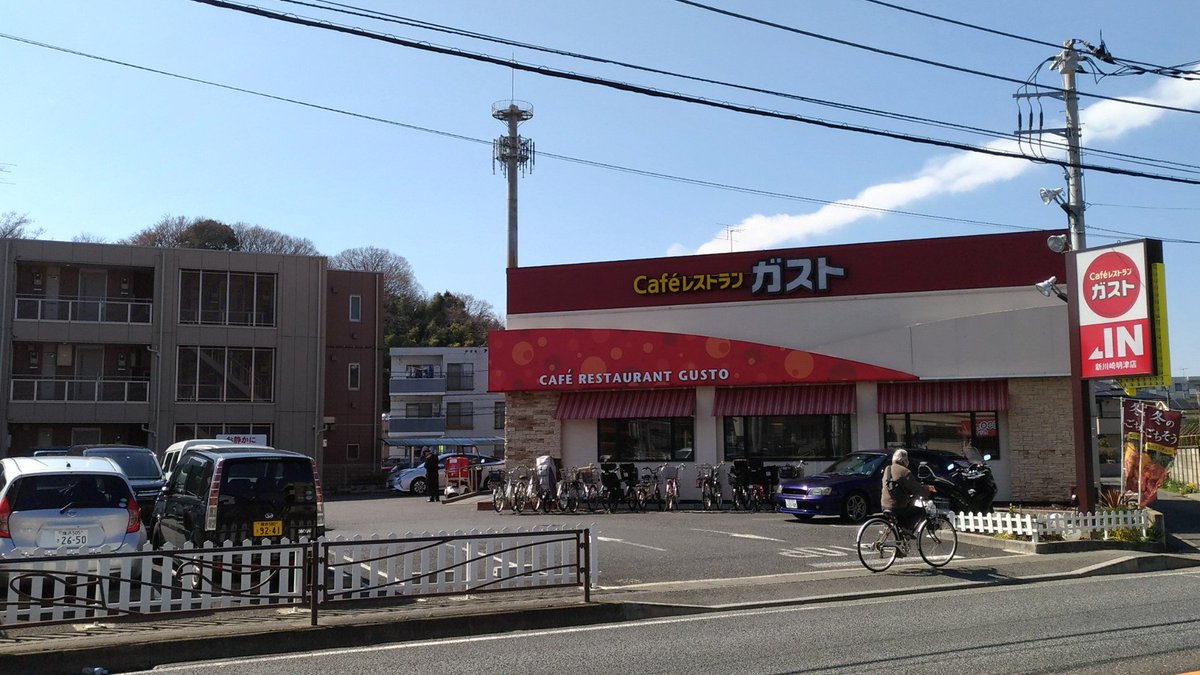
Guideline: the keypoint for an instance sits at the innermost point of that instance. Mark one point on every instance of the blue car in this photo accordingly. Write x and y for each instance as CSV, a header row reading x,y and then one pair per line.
x,y
850,488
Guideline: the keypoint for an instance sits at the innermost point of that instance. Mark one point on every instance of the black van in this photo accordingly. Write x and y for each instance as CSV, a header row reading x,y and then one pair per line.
x,y
140,466
239,492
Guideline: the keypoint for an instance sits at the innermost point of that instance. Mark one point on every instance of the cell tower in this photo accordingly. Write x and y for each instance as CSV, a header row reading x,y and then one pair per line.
x,y
514,154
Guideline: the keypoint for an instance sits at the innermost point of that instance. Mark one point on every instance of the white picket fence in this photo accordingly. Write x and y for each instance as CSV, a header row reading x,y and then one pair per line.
x,y
50,587
1064,524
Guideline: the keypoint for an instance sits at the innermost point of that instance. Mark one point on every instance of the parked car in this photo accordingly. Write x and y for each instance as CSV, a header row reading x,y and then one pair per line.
x,y
237,492
412,480
140,466
67,502
850,488
175,450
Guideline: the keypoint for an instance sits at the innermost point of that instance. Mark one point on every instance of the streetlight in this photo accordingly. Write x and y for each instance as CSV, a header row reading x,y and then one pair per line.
x,y
1051,286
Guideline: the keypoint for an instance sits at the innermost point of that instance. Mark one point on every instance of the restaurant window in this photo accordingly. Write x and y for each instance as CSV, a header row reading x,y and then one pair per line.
x,y
646,439
787,437
952,431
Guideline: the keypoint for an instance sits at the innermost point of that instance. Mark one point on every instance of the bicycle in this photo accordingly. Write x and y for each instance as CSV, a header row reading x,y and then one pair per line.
x,y
570,491
633,493
880,539
610,487
652,490
739,481
671,475
708,479
589,493
499,482
517,488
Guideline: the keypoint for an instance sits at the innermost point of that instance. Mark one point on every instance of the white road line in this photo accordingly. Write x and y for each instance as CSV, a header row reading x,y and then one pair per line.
x,y
630,543
739,535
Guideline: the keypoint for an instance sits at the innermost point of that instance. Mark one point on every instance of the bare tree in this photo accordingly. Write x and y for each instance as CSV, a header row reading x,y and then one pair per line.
x,y
89,238
258,239
398,279
17,226
166,233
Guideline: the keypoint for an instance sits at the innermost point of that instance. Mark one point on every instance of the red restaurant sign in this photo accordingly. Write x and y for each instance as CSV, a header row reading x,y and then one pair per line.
x,y
1114,315
582,359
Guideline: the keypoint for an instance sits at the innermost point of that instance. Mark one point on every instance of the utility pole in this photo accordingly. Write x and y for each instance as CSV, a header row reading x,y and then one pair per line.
x,y
1067,63
514,154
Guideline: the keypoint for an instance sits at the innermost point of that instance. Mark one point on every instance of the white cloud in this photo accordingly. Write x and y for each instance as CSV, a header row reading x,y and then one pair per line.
x,y
956,173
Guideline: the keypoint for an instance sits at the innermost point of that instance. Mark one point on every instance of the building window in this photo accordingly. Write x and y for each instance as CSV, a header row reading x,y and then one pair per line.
x,y
498,415
184,432
353,376
352,451
646,439
419,410
356,308
955,432
226,298
787,437
225,374
460,376
460,416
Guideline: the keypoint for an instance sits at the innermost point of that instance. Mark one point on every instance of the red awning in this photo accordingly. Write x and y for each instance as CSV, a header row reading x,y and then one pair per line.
x,y
595,405
832,399
955,396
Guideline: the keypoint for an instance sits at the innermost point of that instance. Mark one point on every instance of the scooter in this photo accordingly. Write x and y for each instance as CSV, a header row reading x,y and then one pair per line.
x,y
968,487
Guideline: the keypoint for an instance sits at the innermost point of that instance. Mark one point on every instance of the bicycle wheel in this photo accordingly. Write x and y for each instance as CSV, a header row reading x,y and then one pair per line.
x,y
740,501
642,498
707,498
591,498
498,498
572,504
519,496
877,544
937,540
755,501
672,500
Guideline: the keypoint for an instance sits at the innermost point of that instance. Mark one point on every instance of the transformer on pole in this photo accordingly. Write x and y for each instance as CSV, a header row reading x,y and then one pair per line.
x,y
515,154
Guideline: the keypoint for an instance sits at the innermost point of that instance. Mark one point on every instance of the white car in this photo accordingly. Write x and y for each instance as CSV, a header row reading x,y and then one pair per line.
x,y
413,480
77,503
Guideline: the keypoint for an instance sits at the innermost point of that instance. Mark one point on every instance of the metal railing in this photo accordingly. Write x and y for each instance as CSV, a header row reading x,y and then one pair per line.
x,y
94,390
46,587
90,310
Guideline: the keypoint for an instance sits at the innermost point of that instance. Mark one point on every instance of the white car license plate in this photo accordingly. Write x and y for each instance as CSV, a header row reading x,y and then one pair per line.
x,y
791,503
72,537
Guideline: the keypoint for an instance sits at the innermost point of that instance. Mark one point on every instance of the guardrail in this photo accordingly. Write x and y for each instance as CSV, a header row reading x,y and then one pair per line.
x,y
45,587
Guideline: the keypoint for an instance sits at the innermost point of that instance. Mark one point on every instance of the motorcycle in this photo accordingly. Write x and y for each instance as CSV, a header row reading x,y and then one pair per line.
x,y
967,486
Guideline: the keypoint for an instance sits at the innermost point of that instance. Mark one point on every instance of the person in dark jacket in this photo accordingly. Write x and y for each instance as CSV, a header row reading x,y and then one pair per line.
x,y
909,488
431,476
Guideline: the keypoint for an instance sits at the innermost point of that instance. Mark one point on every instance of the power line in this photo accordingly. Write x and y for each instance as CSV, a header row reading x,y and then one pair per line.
x,y
630,88
916,59
352,10
937,17
566,158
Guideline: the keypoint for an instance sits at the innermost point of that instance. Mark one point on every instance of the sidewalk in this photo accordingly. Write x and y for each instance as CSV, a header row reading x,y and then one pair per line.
x,y
134,645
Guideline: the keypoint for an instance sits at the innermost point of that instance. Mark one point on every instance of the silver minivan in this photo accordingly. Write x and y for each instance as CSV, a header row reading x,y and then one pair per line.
x,y
78,503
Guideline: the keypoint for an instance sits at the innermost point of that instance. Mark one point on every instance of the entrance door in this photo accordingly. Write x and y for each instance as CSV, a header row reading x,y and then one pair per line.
x,y
89,371
93,288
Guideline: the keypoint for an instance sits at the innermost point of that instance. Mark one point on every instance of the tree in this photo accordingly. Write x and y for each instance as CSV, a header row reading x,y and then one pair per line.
x,y
398,279
444,320
17,226
166,233
258,239
210,234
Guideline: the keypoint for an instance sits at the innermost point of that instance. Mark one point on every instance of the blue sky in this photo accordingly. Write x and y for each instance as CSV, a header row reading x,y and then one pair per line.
x,y
94,147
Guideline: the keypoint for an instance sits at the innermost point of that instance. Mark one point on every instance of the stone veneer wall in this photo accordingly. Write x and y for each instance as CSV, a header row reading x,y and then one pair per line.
x,y
1041,444
530,429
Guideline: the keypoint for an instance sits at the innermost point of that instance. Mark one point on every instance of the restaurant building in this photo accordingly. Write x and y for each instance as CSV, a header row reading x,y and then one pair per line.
x,y
795,354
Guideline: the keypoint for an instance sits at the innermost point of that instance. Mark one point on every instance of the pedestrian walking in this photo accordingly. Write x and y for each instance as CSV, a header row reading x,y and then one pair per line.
x,y
431,476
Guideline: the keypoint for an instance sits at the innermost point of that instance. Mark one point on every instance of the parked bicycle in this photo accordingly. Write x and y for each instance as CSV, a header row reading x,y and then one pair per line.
x,y
516,488
739,484
570,491
671,475
498,479
708,479
611,491
881,539
589,486
632,492
651,488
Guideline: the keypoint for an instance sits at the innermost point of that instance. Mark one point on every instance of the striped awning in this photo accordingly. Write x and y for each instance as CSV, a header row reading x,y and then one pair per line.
x,y
819,399
954,396
596,405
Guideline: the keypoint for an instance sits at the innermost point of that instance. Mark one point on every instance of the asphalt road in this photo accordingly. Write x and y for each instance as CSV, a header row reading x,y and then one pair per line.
x,y
638,548
1144,624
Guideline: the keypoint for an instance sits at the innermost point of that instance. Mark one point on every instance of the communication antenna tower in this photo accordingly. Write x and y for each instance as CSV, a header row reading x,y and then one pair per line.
x,y
514,154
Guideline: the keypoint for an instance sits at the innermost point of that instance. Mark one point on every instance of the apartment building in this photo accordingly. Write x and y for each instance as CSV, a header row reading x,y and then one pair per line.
x,y
440,400
147,346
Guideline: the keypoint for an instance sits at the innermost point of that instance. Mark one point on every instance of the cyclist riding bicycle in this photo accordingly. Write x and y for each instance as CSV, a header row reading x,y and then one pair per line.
x,y
900,489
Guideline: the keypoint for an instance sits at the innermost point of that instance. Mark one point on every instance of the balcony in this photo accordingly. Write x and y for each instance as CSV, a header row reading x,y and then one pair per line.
x,y
92,390
425,384
419,425
84,310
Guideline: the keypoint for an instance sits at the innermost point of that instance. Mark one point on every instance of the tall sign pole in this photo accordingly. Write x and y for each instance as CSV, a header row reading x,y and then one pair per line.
x,y
515,154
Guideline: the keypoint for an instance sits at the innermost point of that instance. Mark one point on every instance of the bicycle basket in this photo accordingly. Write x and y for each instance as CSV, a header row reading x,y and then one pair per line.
x,y
585,475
